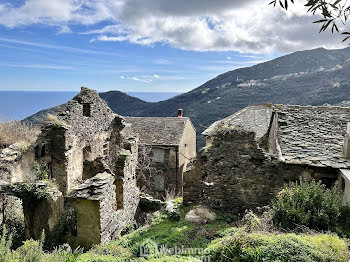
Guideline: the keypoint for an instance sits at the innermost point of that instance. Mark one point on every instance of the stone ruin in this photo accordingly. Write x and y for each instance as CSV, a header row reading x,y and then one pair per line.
x,y
251,154
89,162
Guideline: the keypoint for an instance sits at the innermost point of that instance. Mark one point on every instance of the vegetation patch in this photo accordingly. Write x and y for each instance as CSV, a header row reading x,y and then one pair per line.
x,y
311,205
17,132
243,246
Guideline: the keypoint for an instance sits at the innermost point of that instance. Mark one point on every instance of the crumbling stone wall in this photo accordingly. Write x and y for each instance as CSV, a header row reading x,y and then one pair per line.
x,y
235,174
155,177
42,214
82,141
16,163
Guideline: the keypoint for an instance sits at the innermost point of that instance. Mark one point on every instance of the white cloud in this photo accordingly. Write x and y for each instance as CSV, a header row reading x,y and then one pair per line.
x,y
122,77
140,80
202,25
58,47
64,30
156,76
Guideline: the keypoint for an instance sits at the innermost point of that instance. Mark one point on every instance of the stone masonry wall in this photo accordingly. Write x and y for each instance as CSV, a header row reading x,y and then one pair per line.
x,y
235,174
155,178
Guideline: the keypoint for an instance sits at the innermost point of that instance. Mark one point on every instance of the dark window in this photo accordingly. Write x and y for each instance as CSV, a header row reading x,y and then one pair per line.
x,y
43,151
119,190
343,184
86,110
37,151
87,153
40,151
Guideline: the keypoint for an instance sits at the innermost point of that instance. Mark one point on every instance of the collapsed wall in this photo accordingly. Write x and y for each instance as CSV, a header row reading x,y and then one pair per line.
x,y
86,160
234,174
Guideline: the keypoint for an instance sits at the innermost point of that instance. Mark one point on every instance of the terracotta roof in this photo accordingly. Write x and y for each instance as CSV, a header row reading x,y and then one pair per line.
x,y
158,130
313,135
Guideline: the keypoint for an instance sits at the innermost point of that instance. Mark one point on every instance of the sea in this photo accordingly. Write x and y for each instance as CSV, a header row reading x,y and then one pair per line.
x,y
17,105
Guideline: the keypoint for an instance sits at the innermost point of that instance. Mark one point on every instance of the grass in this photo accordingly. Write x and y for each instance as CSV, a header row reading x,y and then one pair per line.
x,y
53,120
226,239
243,246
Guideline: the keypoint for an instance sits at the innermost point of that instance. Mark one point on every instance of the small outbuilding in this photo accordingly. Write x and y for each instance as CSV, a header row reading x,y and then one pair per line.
x,y
166,146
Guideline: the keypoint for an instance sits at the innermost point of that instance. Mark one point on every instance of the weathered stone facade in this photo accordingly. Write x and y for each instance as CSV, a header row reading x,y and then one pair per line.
x,y
167,144
86,152
233,174
250,155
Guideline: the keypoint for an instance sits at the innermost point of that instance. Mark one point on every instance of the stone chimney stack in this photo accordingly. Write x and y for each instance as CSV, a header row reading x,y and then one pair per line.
x,y
347,143
180,112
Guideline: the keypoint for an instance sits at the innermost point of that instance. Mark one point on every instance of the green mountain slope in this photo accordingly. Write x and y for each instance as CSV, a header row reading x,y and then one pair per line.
x,y
311,77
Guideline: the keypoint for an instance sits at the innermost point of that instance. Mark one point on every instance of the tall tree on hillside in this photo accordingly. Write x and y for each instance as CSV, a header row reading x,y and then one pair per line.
x,y
334,13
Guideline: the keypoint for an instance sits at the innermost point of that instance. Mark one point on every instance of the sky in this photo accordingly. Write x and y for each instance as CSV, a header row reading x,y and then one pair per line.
x,y
144,45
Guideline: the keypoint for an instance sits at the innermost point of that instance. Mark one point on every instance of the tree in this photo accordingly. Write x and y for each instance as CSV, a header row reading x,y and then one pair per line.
x,y
333,13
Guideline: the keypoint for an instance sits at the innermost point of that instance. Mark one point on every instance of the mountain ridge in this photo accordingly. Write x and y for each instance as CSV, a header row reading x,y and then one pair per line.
x,y
310,77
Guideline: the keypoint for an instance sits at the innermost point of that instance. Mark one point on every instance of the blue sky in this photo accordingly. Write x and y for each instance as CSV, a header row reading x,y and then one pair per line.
x,y
127,45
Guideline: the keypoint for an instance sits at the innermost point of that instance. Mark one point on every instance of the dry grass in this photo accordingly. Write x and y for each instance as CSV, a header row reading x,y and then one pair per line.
x,y
53,119
17,131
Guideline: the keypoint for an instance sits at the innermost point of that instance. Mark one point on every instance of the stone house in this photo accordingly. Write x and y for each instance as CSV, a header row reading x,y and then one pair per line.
x,y
166,146
84,149
252,153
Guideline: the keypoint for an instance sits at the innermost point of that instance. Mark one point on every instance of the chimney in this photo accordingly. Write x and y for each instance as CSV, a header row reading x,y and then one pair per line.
x,y
347,143
180,112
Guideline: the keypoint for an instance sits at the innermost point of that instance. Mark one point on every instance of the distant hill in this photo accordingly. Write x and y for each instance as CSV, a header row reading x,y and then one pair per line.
x,y
312,77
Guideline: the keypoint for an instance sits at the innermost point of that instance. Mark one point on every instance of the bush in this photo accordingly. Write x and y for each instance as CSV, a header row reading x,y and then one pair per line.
x,y
31,251
65,254
12,217
242,246
5,247
66,227
344,222
169,259
17,131
112,248
90,257
308,204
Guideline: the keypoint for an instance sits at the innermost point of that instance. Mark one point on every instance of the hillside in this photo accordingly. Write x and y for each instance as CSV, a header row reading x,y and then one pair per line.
x,y
311,77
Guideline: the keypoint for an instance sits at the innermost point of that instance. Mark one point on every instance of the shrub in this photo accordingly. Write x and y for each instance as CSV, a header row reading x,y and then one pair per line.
x,y
5,246
66,227
17,131
31,251
65,254
169,259
112,248
308,204
344,222
91,257
29,189
242,246
12,217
